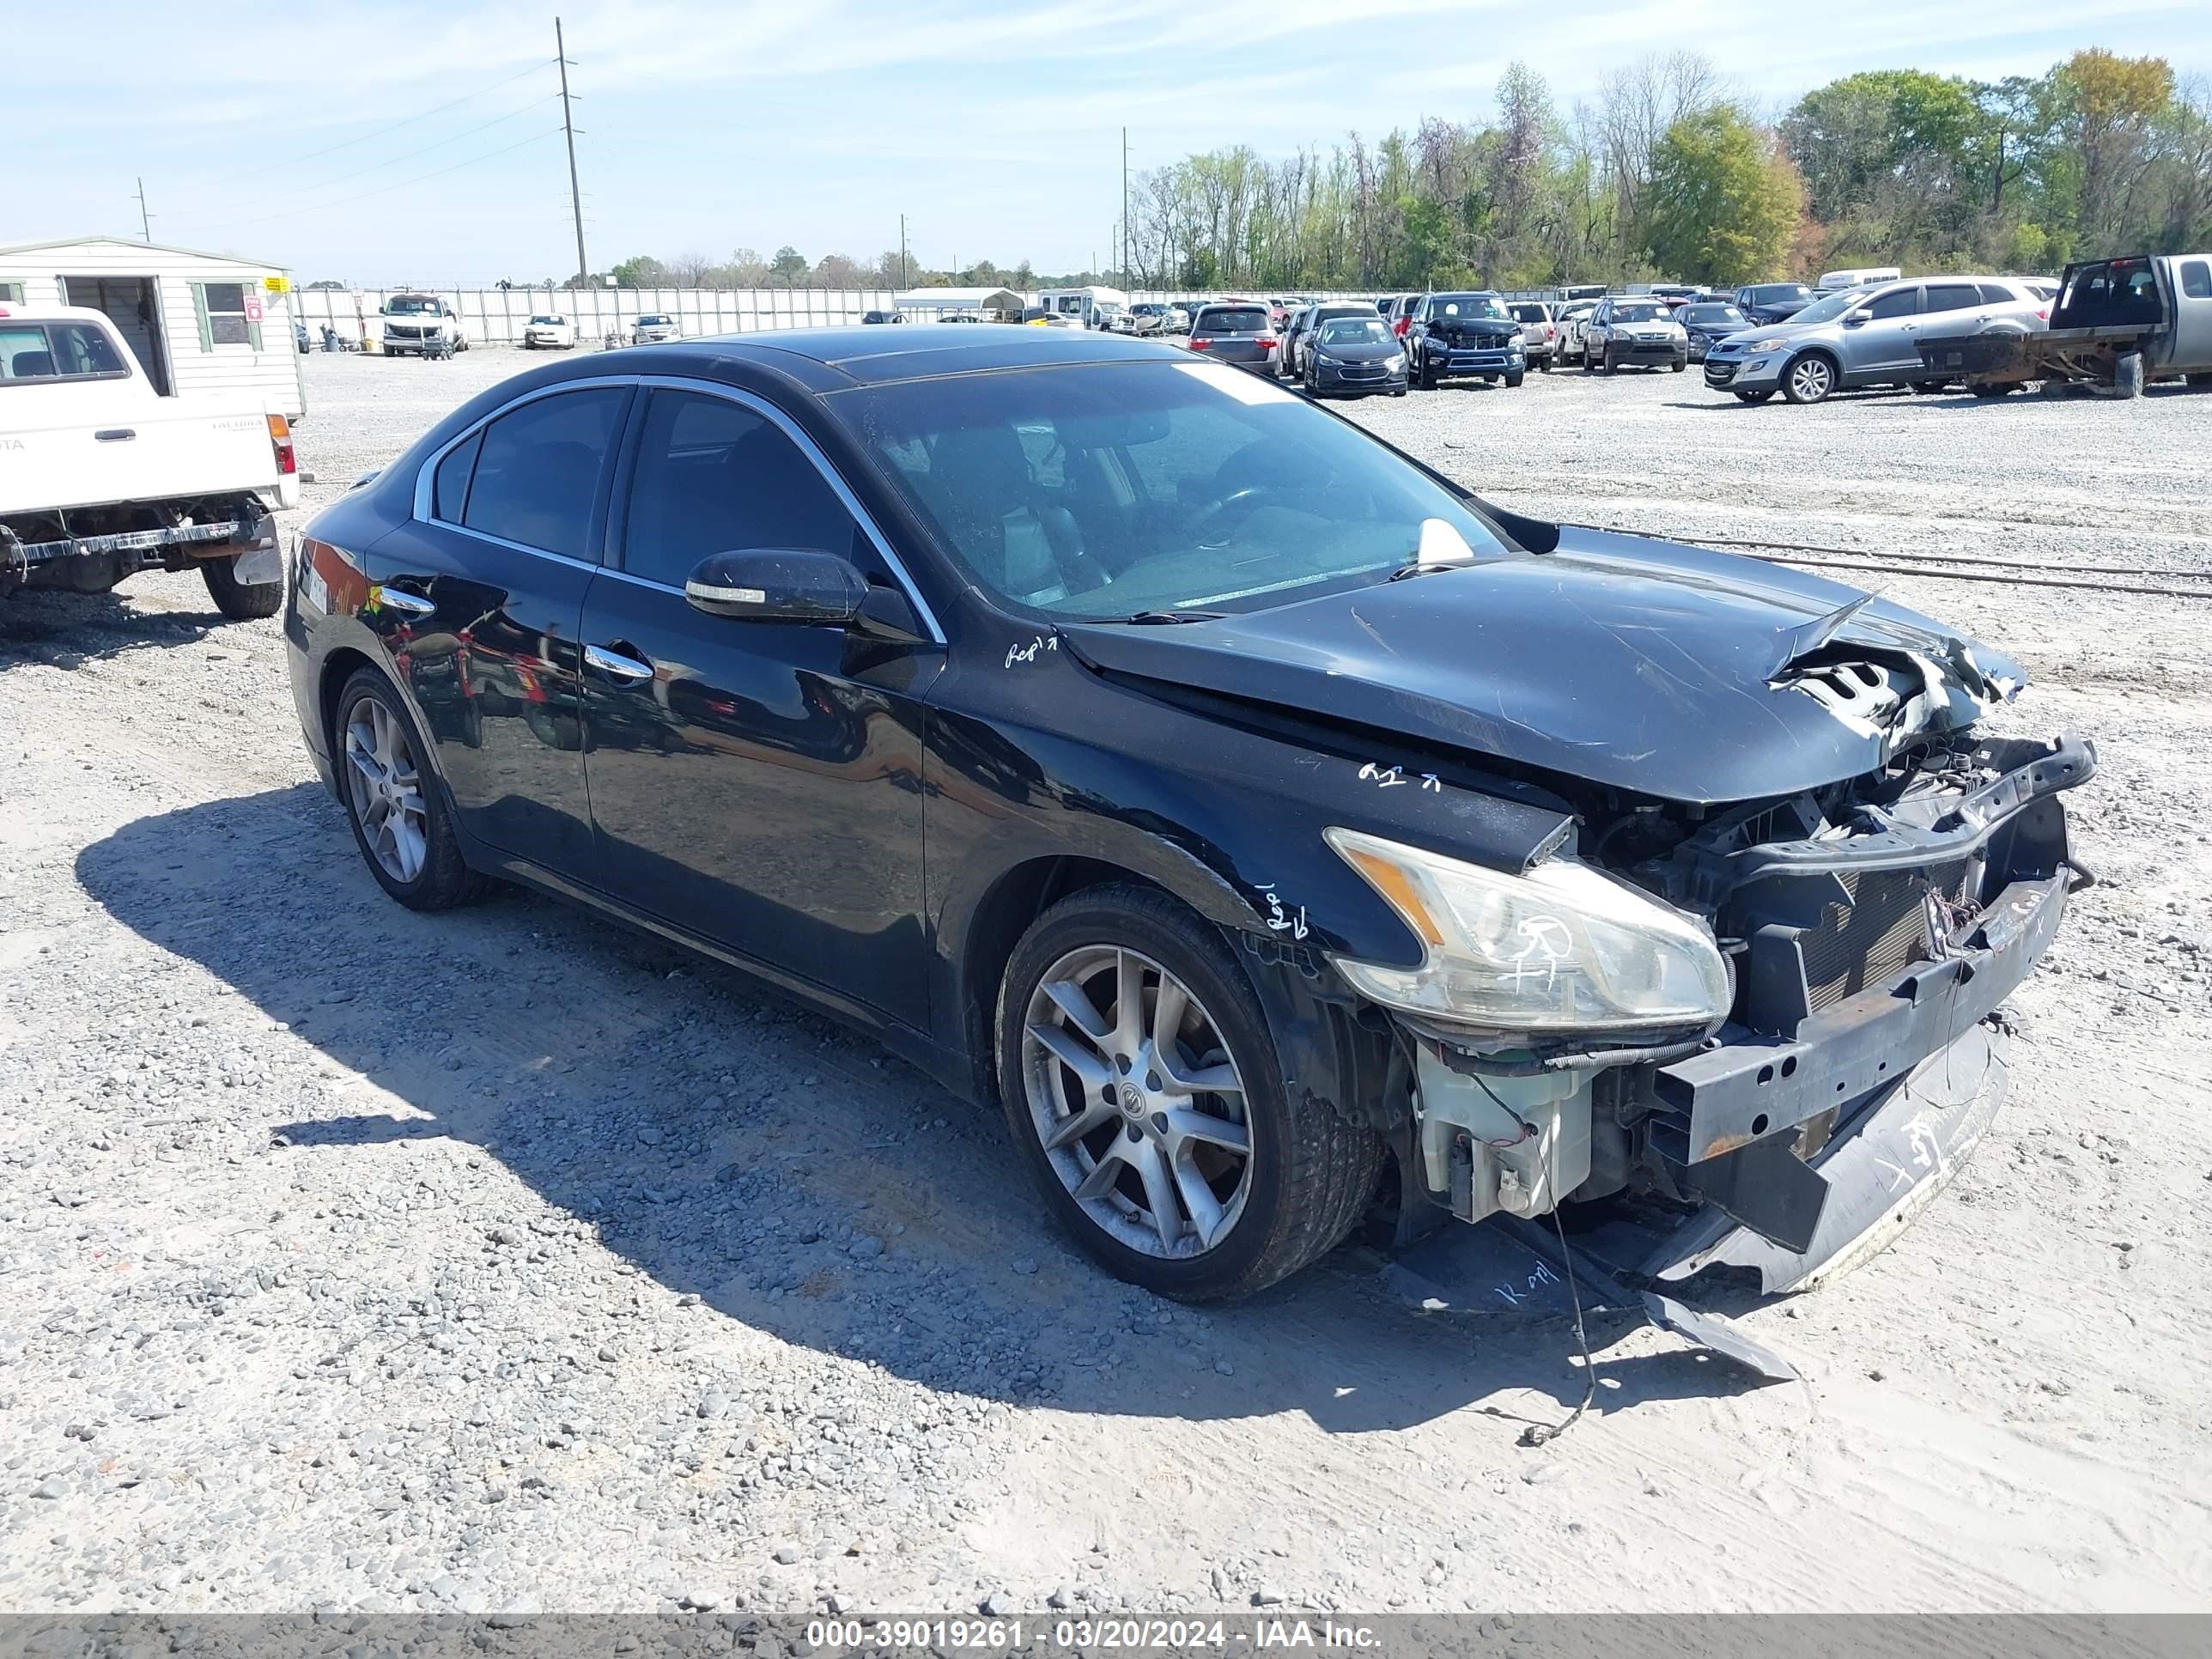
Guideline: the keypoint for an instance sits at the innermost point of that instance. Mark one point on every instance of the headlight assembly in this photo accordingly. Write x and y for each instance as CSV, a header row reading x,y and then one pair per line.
x,y
1559,949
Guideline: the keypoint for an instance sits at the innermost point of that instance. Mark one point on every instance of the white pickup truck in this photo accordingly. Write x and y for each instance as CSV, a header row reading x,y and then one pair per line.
x,y
100,478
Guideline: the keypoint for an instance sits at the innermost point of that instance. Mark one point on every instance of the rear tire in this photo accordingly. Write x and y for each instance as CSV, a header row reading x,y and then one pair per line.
x,y
443,878
1291,1193
240,601
2001,389
2128,374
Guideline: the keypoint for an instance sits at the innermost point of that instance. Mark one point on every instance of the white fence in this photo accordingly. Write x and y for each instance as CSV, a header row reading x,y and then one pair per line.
x,y
496,316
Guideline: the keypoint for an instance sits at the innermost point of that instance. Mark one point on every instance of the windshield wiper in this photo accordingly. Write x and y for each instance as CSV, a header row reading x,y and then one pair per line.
x,y
1161,617
1423,567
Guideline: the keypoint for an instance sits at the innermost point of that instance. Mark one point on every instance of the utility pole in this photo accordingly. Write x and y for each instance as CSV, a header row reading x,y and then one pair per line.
x,y
576,195
145,219
903,276
1124,207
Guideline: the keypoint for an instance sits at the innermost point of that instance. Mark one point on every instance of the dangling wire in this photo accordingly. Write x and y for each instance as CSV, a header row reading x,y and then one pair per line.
x,y
1540,1434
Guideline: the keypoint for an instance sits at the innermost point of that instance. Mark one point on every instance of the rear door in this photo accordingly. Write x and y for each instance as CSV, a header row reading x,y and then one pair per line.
x,y
477,600
755,783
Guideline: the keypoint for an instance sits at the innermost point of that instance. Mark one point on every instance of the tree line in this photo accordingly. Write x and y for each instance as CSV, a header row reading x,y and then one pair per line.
x,y
1665,173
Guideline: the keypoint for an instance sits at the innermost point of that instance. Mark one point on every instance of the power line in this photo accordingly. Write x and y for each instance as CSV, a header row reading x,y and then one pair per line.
x,y
405,121
404,184
378,167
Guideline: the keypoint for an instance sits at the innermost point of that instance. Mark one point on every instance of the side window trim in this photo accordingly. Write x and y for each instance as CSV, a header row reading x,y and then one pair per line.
x,y
619,474
822,464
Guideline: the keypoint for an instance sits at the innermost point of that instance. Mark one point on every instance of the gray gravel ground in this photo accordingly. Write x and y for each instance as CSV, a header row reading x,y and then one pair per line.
x,y
351,1259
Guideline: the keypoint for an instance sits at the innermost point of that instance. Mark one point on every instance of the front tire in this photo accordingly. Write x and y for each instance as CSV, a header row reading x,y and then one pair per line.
x,y
1514,380
1810,380
240,601
401,820
1612,362
1142,1085
1752,397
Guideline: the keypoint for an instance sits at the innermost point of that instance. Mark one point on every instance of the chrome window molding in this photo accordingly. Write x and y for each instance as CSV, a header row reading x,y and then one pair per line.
x,y
424,475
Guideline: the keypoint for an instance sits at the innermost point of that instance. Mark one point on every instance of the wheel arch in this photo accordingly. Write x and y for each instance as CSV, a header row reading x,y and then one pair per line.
x,y
994,923
1826,354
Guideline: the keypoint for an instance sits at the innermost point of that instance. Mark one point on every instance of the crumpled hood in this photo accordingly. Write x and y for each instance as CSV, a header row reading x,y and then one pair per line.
x,y
1647,665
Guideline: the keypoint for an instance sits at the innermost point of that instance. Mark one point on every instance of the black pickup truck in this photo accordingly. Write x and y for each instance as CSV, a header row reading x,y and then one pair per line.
x,y
2117,325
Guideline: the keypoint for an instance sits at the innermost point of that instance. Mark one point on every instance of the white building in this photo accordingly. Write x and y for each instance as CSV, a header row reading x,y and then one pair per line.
x,y
203,325
931,305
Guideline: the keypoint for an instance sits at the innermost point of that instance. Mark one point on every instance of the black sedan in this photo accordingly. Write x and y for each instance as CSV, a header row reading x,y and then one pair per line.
x,y
1354,355
1268,824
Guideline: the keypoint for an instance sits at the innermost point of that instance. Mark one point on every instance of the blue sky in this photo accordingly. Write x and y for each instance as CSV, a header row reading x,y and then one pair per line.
x,y
710,124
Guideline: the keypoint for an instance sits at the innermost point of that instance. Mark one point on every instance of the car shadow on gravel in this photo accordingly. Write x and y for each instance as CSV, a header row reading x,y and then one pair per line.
x,y
65,630
734,1148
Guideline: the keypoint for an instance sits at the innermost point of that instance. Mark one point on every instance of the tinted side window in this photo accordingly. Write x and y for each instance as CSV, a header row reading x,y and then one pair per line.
x,y
1952,296
1901,302
2196,279
449,484
1996,293
537,472
711,476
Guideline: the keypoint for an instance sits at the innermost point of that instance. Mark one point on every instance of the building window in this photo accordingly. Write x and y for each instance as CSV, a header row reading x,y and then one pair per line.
x,y
11,294
222,315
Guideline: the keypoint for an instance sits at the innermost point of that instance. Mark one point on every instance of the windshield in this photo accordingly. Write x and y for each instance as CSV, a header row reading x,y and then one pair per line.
x,y
1827,308
1467,305
1355,331
1713,315
1110,491
556,321
409,305
1643,313
650,322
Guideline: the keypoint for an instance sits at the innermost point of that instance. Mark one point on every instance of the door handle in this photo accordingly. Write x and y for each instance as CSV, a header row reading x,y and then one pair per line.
x,y
114,435
617,667
398,599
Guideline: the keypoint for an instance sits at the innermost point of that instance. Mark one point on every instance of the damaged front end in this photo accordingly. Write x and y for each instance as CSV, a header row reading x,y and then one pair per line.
x,y
1772,1017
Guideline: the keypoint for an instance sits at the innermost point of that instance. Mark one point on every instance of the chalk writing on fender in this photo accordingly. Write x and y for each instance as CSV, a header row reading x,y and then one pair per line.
x,y
1028,653
1278,919
1394,777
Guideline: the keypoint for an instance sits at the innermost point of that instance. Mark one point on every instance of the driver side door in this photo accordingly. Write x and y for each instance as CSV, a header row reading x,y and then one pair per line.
x,y
754,783
1884,347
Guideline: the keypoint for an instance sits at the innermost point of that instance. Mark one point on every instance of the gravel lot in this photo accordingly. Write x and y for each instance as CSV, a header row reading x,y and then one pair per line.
x,y
500,1260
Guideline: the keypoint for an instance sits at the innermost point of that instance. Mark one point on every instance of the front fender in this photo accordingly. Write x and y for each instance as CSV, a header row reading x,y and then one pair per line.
x,y
1227,818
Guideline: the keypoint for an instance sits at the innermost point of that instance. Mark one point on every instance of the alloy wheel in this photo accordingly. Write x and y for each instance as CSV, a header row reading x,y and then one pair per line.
x,y
384,787
1811,380
1137,1101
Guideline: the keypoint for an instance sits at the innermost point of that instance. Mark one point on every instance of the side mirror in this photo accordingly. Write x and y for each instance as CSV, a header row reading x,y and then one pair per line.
x,y
1855,319
777,584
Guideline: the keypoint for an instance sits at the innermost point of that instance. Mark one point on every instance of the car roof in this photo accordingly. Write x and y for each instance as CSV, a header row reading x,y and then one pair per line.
x,y
848,355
